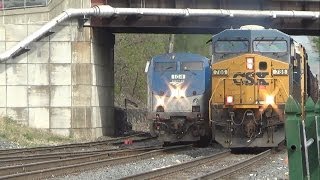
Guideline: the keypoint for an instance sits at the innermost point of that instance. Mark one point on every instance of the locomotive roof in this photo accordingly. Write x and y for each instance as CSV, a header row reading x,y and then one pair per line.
x,y
179,57
248,34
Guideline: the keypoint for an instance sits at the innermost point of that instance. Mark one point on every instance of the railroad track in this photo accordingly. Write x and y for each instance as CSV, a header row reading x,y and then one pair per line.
x,y
66,166
163,172
71,147
236,167
26,159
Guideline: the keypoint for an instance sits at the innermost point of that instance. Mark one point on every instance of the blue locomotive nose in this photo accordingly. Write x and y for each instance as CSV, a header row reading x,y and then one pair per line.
x,y
178,92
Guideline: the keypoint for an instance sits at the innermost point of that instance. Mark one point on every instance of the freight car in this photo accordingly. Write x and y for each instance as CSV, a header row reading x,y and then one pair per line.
x,y
254,71
178,95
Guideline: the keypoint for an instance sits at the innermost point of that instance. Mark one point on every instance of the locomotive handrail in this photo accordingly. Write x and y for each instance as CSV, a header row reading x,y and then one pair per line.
x,y
211,97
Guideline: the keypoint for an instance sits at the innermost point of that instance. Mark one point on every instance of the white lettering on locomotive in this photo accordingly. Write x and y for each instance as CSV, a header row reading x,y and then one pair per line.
x,y
178,76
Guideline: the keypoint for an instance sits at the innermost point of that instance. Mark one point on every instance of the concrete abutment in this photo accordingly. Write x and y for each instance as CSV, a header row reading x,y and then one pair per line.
x,y
65,83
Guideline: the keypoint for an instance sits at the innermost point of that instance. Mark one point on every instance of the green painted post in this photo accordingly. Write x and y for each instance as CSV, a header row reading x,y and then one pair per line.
x,y
317,117
311,134
297,170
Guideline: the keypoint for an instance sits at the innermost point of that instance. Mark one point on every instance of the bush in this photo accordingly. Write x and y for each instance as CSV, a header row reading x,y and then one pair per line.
x,y
29,137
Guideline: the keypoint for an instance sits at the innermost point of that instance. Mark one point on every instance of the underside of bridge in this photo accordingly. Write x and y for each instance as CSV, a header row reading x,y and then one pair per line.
x,y
210,25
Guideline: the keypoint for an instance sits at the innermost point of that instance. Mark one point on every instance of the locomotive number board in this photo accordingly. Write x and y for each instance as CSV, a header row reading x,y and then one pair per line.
x,y
280,72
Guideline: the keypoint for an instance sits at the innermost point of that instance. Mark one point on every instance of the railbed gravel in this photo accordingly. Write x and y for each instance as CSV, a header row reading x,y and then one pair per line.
x,y
208,167
273,167
119,171
4,144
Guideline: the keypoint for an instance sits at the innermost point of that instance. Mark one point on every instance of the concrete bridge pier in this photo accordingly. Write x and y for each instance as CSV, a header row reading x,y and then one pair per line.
x,y
65,83
103,80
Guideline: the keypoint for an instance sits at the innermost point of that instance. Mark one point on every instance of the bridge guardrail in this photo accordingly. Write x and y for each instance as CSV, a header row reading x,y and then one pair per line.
x,y
303,139
17,4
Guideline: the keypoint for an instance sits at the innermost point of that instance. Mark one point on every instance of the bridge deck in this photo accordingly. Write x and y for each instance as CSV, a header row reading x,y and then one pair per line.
x,y
199,25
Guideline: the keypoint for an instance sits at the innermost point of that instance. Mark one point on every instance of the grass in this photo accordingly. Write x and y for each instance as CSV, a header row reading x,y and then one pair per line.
x,y
29,137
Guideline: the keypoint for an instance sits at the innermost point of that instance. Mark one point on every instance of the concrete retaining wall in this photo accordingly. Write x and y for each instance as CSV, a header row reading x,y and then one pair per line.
x,y
65,82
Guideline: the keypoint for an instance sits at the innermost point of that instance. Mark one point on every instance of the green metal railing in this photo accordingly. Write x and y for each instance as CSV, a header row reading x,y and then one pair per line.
x,y
303,136
15,4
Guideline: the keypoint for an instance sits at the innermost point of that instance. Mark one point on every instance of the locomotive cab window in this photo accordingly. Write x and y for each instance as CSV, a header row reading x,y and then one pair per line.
x,y
231,46
165,66
270,46
263,65
191,66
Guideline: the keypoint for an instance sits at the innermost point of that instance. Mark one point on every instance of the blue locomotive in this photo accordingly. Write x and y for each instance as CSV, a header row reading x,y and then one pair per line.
x,y
179,85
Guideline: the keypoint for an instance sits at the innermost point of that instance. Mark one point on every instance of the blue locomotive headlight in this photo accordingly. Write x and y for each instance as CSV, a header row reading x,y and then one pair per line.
x,y
177,92
159,100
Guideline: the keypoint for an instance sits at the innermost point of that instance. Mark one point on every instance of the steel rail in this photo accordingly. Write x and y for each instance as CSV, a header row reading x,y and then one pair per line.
x,y
178,167
107,11
56,168
70,147
236,167
69,161
14,160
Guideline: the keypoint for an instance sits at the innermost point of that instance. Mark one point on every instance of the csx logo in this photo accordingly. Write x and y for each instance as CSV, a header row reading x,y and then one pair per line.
x,y
249,78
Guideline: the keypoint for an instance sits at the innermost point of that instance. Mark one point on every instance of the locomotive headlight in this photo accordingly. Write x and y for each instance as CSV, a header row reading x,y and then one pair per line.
x,y
229,100
160,100
269,99
174,92
178,92
250,63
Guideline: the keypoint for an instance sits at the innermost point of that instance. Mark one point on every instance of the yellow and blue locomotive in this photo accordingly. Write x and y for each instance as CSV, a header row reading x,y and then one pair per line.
x,y
178,91
254,71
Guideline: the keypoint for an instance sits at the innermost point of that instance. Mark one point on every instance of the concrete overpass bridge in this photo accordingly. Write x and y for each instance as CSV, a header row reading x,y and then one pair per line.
x,y
211,24
57,64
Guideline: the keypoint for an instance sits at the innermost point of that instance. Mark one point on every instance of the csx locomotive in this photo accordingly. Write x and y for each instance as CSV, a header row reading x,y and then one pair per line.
x,y
254,71
178,92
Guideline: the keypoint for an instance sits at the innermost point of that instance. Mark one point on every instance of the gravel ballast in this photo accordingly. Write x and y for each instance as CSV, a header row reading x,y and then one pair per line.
x,y
273,167
4,144
119,171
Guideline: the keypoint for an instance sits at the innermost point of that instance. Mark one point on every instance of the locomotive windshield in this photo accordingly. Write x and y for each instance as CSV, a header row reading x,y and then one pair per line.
x,y
193,66
165,66
231,46
270,46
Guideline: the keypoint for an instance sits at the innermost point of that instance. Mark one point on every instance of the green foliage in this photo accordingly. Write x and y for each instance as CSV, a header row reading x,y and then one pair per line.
x,y
132,51
26,136
317,42
193,44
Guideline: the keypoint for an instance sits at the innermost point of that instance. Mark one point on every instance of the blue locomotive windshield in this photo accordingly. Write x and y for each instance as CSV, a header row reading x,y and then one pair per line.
x,y
231,46
191,66
184,70
165,66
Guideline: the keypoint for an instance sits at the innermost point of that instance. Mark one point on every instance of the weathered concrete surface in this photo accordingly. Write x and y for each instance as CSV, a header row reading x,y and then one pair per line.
x,y
103,78
65,82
